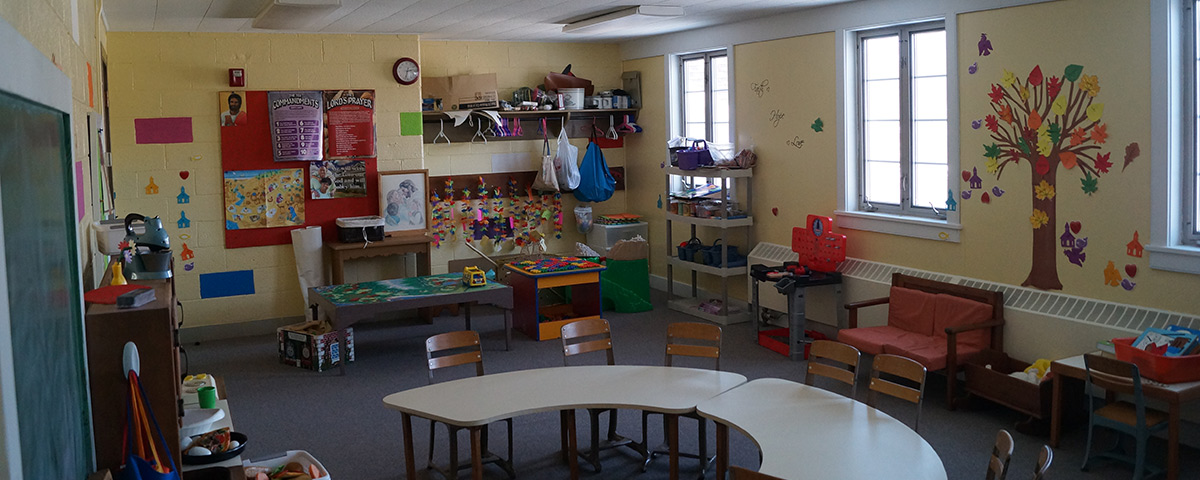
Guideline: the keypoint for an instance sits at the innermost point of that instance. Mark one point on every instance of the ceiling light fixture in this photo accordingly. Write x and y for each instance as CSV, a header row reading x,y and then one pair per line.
x,y
293,14
625,17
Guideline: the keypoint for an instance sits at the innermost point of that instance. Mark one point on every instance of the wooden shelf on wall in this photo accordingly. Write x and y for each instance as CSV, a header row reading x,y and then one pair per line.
x,y
439,121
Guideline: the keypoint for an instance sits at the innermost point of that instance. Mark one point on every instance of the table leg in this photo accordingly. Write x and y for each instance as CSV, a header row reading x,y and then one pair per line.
x,y
673,444
343,357
410,465
476,454
339,276
562,432
1056,411
467,306
572,447
722,450
507,329
1173,442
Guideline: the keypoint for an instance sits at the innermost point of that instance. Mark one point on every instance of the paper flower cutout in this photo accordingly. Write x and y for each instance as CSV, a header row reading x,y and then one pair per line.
x,y
1038,219
1043,191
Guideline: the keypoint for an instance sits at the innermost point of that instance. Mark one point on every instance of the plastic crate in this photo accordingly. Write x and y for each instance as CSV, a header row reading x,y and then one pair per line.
x,y
1157,367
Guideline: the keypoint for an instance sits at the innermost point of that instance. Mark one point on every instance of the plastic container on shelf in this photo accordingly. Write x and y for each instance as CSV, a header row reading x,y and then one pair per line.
x,y
1158,367
572,98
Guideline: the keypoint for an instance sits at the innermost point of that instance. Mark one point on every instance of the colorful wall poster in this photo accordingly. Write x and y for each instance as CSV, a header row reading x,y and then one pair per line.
x,y
349,123
295,125
337,179
232,106
264,198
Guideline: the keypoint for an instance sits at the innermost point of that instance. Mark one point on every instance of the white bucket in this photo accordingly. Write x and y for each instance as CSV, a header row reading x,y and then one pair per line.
x,y
572,98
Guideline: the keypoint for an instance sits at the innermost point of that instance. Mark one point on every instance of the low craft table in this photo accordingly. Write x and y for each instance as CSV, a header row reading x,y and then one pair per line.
x,y
806,432
1172,393
348,303
527,286
474,402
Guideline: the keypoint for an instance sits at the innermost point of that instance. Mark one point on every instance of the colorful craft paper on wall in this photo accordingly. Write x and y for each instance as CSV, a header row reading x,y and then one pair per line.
x,y
410,123
295,125
264,198
163,130
227,284
337,179
349,124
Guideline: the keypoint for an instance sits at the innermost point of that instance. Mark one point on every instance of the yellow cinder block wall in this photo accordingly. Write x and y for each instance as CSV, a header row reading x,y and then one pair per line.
x,y
179,74
521,64
996,238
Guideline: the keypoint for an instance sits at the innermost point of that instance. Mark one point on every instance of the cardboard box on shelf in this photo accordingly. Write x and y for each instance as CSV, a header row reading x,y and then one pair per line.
x,y
308,345
462,92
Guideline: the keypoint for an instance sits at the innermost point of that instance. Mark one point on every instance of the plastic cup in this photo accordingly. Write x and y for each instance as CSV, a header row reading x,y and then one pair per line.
x,y
207,396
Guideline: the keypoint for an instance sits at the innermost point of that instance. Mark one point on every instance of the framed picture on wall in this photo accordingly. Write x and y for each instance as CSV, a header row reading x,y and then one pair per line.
x,y
403,201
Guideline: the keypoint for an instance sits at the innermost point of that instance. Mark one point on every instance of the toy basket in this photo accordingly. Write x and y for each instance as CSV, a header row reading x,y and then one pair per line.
x,y
695,157
1161,368
688,250
712,255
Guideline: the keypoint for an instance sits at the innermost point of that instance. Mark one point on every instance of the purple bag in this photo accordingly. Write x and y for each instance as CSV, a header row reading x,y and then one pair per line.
x,y
695,157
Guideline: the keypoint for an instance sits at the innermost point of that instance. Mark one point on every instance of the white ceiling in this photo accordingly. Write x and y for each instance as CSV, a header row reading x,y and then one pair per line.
x,y
501,20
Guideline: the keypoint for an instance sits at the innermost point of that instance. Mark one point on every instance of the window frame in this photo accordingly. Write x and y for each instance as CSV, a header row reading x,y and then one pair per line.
x,y
681,111
904,34
1190,156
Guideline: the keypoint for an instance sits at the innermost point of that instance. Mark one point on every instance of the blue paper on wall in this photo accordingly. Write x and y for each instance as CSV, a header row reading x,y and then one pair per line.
x,y
226,284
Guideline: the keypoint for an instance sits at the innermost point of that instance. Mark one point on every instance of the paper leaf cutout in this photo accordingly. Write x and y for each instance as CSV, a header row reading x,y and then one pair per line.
x,y
1035,77
1035,120
1072,72
1044,191
1038,219
997,93
1131,152
1055,133
1089,183
1090,84
991,123
1053,85
1068,159
991,151
1006,113
1024,146
818,125
1042,166
1078,136
1008,79
1095,111
1100,133
1059,107
1102,163
992,166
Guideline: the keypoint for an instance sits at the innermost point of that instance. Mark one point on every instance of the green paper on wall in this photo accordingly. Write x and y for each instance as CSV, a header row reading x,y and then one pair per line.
x,y
410,123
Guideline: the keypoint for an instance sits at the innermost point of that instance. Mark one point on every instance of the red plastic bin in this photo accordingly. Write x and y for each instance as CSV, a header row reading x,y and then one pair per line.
x,y
1157,367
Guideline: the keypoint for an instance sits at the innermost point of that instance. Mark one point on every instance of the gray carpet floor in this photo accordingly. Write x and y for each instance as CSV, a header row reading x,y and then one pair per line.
x,y
341,420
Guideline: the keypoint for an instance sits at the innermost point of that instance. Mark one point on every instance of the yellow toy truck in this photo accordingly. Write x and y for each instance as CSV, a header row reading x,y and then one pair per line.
x,y
474,277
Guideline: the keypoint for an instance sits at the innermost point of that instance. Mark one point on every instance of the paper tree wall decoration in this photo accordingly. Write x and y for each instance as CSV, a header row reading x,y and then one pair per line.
x,y
1047,122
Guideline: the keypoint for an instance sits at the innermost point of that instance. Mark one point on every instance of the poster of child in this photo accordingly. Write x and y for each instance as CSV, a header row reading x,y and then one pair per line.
x,y
401,200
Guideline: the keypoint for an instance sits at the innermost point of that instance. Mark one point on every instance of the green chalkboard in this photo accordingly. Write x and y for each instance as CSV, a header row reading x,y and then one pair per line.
x,y
37,198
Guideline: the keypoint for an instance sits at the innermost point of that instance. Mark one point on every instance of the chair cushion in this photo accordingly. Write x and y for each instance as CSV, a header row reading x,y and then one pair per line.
x,y
1125,412
953,311
871,340
911,310
930,352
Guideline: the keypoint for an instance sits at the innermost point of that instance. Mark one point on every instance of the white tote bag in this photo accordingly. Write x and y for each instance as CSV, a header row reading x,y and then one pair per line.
x,y
546,180
566,163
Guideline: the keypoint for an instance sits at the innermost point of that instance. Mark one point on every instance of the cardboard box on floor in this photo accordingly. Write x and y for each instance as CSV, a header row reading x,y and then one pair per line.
x,y
313,346
463,92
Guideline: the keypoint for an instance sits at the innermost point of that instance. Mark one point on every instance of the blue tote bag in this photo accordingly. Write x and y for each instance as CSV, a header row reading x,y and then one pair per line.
x,y
596,183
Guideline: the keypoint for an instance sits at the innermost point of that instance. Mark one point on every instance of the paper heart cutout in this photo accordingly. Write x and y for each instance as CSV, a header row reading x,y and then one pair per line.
x,y
1076,227
775,211
1131,270
985,198
966,176
184,174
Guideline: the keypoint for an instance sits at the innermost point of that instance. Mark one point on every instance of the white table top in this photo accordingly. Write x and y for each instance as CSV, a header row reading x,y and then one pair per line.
x,y
481,400
1077,362
806,432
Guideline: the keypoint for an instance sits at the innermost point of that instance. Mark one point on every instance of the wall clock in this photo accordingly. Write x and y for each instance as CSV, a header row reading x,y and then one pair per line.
x,y
406,71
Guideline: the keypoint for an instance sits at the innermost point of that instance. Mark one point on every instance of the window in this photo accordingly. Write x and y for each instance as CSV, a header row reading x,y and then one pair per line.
x,y
704,105
903,125
1190,170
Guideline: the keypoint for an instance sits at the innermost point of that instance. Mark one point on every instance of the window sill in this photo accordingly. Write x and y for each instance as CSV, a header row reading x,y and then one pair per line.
x,y
929,229
1176,258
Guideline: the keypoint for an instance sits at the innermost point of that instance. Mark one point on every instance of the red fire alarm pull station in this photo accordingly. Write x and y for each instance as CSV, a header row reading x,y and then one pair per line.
x,y
237,77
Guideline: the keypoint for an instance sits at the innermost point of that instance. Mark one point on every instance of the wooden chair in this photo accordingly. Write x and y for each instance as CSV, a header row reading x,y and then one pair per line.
x,y
688,339
1043,463
583,337
739,473
1001,455
901,367
1133,419
455,349
838,352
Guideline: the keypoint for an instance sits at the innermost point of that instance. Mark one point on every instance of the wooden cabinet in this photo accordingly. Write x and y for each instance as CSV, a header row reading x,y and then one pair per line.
x,y
544,320
154,329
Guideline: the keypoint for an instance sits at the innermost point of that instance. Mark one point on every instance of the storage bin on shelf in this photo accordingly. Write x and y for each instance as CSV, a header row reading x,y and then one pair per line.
x,y
1159,368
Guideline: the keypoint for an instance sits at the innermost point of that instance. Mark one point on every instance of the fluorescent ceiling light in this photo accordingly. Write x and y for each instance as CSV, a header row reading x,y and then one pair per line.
x,y
626,17
294,14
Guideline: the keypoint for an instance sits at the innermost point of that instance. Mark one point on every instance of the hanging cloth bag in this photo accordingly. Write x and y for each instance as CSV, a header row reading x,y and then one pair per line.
x,y
596,183
143,459
566,164
546,180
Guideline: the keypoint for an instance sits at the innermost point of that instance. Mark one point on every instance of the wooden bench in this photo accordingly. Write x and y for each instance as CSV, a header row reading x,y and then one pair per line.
x,y
938,324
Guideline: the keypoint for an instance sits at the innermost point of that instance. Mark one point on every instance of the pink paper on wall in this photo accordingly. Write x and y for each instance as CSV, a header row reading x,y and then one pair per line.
x,y
78,191
163,130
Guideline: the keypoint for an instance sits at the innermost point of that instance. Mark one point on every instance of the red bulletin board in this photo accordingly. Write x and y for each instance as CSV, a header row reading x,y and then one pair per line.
x,y
248,147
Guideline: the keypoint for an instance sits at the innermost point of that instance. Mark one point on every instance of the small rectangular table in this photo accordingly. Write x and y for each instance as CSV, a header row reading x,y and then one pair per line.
x,y
1172,393
348,303
395,244
585,299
